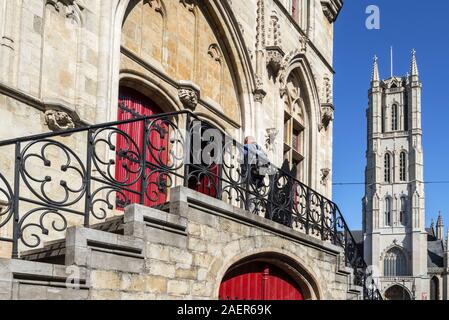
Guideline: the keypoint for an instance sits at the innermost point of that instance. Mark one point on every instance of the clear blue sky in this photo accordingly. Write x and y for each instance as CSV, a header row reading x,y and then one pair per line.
x,y
405,25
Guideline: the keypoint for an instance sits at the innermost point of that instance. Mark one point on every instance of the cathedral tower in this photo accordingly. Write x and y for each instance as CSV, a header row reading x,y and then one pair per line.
x,y
394,209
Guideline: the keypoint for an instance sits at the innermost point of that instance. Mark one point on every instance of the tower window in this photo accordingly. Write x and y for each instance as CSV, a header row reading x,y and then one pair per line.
x,y
403,166
387,165
388,212
394,118
403,213
406,117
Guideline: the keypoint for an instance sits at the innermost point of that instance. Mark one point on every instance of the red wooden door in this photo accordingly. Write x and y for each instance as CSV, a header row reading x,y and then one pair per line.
x,y
259,281
132,105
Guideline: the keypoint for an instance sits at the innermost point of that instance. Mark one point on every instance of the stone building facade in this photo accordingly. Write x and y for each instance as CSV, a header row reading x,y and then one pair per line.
x,y
259,68
409,261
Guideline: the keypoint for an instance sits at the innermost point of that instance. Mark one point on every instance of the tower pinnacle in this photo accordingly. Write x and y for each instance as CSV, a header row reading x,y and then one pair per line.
x,y
440,227
375,74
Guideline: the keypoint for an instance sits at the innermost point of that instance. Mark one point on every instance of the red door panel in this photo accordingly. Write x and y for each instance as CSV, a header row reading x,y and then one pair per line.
x,y
259,281
133,105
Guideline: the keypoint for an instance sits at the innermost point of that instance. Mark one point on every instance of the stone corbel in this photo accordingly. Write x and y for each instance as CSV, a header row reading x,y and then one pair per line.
x,y
58,121
327,115
189,94
59,117
275,58
259,95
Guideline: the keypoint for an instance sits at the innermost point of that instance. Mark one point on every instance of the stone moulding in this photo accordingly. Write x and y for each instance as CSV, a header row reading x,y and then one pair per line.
x,y
44,105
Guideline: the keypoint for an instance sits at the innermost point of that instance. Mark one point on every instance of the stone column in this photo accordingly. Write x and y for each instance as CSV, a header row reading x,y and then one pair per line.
x,y
9,19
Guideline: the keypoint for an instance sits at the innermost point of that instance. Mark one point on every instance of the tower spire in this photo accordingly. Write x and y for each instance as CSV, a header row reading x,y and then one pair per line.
x,y
414,72
440,227
375,74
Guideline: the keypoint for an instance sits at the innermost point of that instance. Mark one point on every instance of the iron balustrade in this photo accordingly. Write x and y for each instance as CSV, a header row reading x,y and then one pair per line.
x,y
68,178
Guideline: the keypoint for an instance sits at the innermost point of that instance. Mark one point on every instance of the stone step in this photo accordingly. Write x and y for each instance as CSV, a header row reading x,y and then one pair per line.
x,y
54,251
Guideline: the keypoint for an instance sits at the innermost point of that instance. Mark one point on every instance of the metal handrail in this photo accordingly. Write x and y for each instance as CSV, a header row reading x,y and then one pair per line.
x,y
148,171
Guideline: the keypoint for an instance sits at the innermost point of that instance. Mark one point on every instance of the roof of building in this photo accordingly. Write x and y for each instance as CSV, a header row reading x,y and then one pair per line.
x,y
435,250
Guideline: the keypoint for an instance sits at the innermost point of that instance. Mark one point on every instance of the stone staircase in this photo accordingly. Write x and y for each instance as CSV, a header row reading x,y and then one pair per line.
x,y
54,251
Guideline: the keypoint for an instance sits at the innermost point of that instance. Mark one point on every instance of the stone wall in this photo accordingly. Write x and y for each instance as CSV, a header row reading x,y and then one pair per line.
x,y
67,55
72,56
180,254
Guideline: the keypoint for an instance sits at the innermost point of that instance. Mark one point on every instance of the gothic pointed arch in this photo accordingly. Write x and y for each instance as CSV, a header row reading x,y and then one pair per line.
x,y
395,262
397,292
239,80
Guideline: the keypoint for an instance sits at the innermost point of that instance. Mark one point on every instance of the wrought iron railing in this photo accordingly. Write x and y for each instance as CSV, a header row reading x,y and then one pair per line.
x,y
51,181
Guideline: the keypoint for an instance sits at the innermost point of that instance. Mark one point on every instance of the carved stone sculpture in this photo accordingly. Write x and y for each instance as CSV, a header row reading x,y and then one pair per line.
x,y
189,95
58,120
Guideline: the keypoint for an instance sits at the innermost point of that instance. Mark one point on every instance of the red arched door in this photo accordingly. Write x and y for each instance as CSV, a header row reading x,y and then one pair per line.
x,y
132,105
259,281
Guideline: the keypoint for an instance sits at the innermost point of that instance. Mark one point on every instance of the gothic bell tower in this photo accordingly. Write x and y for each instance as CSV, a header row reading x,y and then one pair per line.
x,y
395,242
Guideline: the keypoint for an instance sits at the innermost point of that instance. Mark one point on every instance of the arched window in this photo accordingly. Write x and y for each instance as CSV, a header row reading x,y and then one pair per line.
x,y
434,289
403,212
394,118
387,166
296,126
406,117
387,212
395,263
384,120
403,167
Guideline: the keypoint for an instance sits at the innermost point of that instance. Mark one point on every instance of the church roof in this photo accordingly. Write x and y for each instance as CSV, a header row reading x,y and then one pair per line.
x,y
435,254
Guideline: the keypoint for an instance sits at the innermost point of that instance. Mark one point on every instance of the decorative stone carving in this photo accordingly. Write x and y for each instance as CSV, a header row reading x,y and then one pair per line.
x,y
331,9
270,141
189,4
275,57
325,174
260,35
189,94
303,42
58,120
327,90
71,8
214,52
157,6
259,93
274,30
327,115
